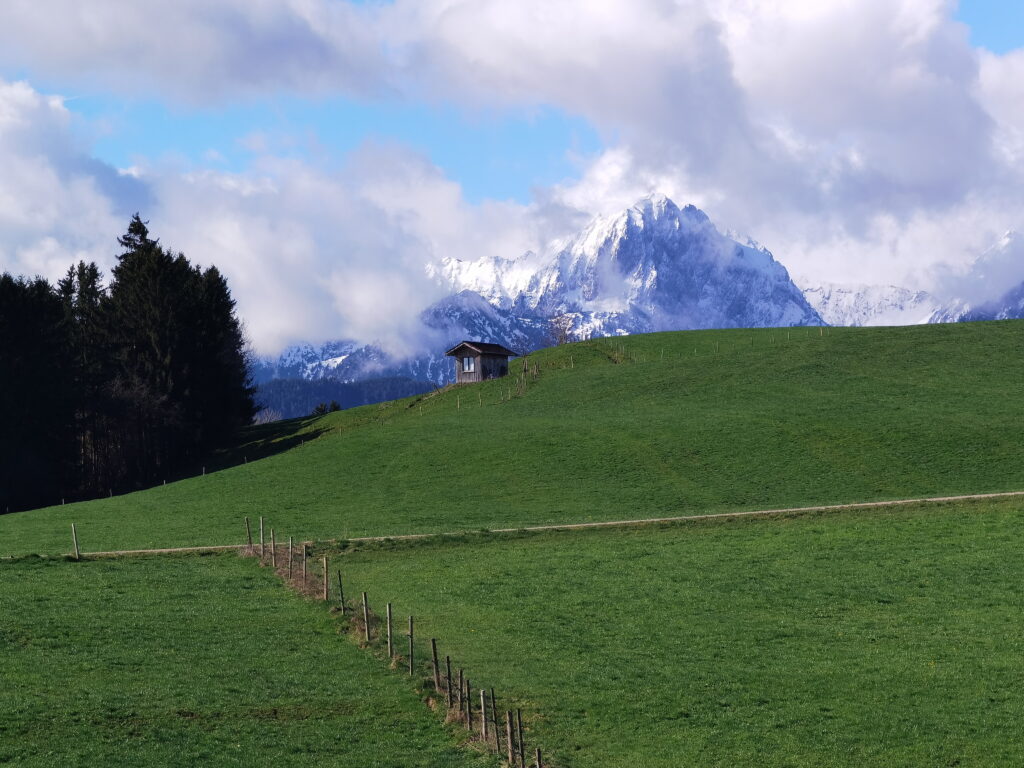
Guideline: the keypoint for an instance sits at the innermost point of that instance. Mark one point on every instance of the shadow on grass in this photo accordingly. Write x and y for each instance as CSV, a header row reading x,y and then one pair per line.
x,y
264,440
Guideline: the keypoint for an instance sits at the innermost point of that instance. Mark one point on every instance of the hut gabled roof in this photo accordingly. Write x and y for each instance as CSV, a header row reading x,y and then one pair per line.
x,y
482,348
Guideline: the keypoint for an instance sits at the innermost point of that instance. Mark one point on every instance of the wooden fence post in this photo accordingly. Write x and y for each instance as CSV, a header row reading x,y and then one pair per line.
x,y
391,644
460,691
469,706
448,678
341,595
74,541
410,646
519,728
437,669
303,566
540,763
366,618
326,579
508,738
273,550
494,720
262,549
483,716
290,558
248,531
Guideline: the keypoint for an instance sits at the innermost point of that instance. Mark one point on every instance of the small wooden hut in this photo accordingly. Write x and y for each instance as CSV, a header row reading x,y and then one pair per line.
x,y
478,360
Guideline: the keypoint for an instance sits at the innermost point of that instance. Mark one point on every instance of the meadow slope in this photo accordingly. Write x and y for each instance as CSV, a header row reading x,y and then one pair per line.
x,y
876,638
643,426
195,661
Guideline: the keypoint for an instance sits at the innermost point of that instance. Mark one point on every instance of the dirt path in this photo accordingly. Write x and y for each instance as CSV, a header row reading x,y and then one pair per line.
x,y
605,524
166,550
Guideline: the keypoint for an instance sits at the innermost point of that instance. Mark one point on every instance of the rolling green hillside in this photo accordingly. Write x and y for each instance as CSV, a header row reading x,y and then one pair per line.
x,y
876,638
845,640
664,424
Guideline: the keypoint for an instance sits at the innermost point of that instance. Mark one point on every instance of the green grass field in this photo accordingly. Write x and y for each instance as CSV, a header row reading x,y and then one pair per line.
x,y
194,661
869,638
849,639
681,423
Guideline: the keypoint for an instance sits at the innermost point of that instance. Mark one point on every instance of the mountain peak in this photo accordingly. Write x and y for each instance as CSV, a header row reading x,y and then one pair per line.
x,y
655,204
657,207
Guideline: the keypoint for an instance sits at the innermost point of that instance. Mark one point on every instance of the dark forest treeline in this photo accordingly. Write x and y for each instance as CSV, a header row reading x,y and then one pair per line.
x,y
112,388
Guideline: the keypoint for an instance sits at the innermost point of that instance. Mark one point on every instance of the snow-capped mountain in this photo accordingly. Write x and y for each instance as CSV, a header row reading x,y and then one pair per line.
x,y
304,361
652,267
1000,265
871,304
1010,306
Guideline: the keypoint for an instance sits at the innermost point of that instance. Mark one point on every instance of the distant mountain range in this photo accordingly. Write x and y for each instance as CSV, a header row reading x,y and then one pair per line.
x,y
871,304
652,267
1000,265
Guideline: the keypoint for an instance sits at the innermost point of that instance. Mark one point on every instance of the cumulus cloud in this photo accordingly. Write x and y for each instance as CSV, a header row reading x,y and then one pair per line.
x,y
54,197
861,140
197,51
318,253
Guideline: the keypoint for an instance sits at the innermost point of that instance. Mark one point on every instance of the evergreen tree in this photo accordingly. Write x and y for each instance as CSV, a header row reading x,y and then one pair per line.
x,y
221,391
180,356
116,388
36,410
82,295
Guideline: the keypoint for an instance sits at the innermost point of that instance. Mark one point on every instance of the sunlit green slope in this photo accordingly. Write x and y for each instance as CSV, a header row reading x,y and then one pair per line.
x,y
664,424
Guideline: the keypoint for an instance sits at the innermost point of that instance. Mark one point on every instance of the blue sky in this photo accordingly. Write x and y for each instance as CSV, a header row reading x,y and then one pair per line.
x,y
997,25
492,154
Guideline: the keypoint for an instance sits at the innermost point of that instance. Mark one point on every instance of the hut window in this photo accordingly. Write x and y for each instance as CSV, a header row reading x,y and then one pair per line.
x,y
468,364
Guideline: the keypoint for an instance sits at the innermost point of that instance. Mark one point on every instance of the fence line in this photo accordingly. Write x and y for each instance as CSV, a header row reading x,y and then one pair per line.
x,y
456,693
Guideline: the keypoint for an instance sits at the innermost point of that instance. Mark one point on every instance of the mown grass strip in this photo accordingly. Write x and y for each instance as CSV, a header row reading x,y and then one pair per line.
x,y
194,660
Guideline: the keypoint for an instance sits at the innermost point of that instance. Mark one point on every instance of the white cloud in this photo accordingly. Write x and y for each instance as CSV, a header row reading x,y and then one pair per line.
x,y
311,253
196,50
54,198
861,140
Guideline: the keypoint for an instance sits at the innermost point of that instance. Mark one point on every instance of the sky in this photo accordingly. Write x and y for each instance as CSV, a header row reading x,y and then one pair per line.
x,y
322,152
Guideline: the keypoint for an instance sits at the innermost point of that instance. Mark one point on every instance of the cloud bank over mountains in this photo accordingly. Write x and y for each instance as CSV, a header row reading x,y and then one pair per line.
x,y
861,140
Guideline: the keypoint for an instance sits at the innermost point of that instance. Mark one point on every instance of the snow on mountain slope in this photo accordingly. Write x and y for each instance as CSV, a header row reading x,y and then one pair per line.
x,y
1000,266
304,361
871,304
652,267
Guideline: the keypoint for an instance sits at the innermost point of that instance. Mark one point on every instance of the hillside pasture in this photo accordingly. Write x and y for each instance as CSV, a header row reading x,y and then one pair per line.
x,y
645,426
881,638
195,661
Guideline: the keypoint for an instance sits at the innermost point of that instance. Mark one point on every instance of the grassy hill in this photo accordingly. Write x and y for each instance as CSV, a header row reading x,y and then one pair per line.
x,y
856,639
665,424
846,639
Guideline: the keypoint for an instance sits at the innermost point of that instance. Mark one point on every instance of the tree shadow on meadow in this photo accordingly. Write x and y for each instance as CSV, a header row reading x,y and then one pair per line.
x,y
263,440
